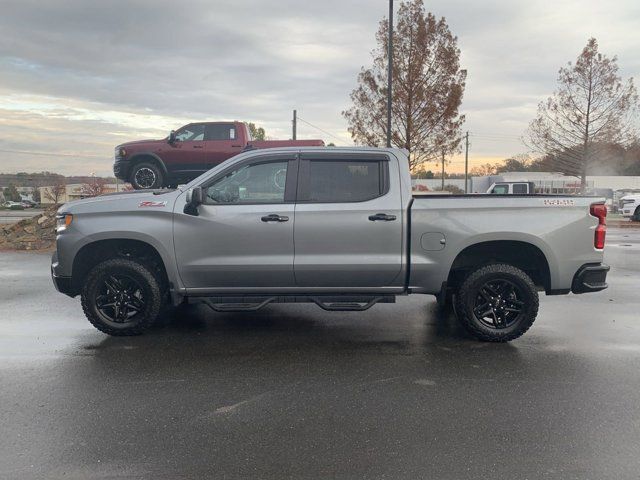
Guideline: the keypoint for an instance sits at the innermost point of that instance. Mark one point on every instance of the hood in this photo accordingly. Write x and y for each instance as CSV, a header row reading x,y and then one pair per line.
x,y
134,199
140,142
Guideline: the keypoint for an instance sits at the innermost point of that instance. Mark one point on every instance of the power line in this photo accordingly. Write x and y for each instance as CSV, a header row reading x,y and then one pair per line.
x,y
318,128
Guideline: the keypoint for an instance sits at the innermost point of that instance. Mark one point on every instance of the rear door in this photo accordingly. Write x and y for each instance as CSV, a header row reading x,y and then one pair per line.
x,y
348,231
242,237
520,188
221,142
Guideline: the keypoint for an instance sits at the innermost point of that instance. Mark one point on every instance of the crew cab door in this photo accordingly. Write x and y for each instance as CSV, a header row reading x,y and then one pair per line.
x,y
348,231
222,142
188,152
242,236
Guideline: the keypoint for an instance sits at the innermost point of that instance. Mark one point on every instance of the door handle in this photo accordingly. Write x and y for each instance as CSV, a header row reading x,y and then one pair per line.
x,y
274,217
383,217
198,146
236,146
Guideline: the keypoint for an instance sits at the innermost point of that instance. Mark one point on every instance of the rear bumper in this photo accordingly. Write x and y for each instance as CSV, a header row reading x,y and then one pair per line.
x,y
591,277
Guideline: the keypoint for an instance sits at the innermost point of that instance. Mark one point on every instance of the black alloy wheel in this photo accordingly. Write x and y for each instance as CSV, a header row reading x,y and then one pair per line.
x,y
498,304
123,296
120,298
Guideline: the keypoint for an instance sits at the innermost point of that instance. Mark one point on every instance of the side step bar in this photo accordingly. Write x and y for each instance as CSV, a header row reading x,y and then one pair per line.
x,y
332,303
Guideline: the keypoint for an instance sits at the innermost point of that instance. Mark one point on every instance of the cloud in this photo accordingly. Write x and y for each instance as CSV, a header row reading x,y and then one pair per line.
x,y
78,76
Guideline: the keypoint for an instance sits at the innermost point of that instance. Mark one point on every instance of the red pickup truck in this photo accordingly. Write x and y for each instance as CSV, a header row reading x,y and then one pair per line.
x,y
188,152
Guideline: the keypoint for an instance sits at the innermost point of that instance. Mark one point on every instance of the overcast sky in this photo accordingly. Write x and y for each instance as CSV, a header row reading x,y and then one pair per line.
x,y
79,77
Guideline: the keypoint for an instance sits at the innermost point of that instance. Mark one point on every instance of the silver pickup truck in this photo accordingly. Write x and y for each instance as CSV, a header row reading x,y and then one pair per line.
x,y
335,226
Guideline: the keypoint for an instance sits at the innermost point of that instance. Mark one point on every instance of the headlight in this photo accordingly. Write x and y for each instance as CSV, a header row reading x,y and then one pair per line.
x,y
121,152
63,220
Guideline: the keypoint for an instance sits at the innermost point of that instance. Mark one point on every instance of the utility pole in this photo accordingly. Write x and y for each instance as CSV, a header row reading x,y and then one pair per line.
x,y
389,72
294,124
442,170
466,163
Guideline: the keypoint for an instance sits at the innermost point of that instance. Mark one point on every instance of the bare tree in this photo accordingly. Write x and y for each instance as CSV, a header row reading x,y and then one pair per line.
x,y
428,88
591,107
57,191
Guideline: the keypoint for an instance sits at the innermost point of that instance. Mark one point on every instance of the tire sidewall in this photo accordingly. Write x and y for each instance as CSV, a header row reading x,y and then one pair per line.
x,y
150,290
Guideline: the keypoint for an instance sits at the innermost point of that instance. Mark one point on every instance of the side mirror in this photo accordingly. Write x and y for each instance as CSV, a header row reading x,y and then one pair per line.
x,y
172,137
194,200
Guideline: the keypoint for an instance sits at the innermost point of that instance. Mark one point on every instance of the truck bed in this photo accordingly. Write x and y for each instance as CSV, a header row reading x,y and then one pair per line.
x,y
442,226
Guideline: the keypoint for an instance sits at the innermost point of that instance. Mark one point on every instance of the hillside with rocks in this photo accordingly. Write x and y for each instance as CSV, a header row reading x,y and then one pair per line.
x,y
37,233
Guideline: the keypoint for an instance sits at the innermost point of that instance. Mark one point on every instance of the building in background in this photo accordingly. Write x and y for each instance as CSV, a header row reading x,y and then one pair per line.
x,y
26,193
73,191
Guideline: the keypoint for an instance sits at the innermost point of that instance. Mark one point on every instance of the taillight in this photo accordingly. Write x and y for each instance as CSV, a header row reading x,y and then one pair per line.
x,y
599,210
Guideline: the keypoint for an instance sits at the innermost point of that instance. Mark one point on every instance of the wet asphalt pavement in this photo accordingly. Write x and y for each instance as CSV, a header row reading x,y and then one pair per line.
x,y
398,392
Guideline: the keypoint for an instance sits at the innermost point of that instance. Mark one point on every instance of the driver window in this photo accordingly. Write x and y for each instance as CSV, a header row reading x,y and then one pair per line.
x,y
256,183
191,133
501,189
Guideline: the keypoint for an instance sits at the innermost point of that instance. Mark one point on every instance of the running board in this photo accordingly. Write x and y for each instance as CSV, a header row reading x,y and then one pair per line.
x,y
332,303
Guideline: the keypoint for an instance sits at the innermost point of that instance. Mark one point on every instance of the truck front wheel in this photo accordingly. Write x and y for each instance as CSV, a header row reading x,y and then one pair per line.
x,y
121,297
497,303
146,175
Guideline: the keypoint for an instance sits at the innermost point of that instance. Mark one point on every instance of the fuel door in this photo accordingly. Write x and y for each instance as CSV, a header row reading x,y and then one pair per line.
x,y
433,241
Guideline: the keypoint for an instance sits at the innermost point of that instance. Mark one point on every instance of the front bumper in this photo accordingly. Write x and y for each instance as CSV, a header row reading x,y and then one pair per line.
x,y
591,277
122,168
62,284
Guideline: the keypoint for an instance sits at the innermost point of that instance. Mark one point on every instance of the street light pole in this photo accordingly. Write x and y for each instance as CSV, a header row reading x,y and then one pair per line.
x,y
389,72
466,163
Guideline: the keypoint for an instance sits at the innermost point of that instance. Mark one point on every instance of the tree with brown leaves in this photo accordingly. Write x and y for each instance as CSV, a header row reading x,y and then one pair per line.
x,y
428,86
94,187
591,107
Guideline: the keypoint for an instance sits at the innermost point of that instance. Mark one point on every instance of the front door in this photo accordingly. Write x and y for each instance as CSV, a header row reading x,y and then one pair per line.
x,y
187,153
348,232
243,235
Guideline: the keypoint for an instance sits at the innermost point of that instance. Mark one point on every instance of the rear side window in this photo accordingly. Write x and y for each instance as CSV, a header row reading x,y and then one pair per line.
x,y
224,131
335,181
520,188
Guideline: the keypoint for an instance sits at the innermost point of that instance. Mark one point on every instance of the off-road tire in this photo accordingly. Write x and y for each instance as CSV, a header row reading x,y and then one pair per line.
x,y
150,285
465,300
139,168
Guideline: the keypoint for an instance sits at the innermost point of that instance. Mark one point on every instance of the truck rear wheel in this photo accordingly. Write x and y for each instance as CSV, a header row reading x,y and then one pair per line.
x,y
497,303
121,297
146,176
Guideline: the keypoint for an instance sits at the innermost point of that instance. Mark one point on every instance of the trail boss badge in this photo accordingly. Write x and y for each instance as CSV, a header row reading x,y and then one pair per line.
x,y
151,204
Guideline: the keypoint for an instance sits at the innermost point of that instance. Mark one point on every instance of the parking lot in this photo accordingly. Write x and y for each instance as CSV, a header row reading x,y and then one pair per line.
x,y
293,391
13,216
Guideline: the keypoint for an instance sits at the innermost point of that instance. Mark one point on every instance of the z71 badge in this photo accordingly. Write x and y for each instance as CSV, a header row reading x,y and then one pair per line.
x,y
152,204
